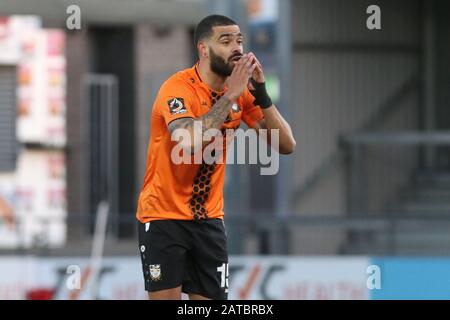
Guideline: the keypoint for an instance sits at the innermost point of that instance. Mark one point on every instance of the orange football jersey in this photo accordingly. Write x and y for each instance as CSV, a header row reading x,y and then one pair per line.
x,y
186,191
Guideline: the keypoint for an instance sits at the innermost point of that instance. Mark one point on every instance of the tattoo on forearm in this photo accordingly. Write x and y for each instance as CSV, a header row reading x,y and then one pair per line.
x,y
213,119
217,115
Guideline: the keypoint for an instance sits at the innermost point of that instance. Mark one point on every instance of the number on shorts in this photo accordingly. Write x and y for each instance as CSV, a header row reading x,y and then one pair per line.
x,y
223,269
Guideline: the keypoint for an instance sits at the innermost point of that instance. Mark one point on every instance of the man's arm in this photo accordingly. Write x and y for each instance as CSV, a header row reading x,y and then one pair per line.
x,y
214,119
272,118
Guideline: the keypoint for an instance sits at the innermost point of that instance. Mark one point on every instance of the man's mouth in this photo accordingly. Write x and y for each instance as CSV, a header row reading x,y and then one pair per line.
x,y
236,58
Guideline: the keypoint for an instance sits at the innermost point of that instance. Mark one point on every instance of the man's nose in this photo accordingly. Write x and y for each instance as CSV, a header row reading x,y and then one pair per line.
x,y
237,49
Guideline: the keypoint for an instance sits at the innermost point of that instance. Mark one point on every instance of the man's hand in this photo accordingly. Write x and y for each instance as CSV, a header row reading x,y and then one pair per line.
x,y
257,85
258,74
238,79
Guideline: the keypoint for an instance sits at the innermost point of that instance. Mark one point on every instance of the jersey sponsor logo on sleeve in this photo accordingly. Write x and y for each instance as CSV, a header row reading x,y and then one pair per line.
x,y
176,106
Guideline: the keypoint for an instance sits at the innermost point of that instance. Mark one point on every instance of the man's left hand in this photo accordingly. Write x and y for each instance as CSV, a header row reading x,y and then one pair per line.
x,y
258,74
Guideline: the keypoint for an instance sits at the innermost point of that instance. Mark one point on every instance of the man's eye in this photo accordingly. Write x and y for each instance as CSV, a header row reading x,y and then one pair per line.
x,y
225,42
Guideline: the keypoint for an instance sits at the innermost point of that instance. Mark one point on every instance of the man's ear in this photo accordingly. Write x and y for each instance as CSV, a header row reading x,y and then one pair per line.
x,y
202,49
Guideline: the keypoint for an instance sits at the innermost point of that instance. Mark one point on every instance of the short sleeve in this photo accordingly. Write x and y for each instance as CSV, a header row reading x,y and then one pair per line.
x,y
251,114
175,100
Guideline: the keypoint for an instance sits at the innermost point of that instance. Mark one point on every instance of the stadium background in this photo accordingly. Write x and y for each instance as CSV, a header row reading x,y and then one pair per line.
x,y
361,210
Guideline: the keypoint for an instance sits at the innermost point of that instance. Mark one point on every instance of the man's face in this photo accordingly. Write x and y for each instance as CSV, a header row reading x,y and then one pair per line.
x,y
225,49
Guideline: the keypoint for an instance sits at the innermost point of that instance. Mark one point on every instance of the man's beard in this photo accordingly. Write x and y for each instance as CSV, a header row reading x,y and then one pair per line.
x,y
218,65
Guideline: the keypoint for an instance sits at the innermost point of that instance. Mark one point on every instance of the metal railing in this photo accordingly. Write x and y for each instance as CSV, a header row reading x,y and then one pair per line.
x,y
357,145
101,168
383,112
383,171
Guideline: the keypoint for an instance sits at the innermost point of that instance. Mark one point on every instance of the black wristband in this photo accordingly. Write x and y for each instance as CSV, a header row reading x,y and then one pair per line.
x,y
262,99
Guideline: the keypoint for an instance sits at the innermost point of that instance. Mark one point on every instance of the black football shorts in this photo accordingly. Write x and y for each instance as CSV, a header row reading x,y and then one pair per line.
x,y
192,254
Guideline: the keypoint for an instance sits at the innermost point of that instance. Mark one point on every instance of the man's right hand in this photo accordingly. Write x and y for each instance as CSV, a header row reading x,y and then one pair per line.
x,y
238,80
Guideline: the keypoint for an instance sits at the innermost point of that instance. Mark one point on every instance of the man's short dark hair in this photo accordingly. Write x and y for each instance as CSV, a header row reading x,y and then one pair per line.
x,y
204,27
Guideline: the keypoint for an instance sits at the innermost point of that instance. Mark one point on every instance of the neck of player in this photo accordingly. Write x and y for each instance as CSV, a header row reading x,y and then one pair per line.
x,y
212,79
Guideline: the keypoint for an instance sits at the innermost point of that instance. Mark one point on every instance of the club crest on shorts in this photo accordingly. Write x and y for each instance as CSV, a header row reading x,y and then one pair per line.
x,y
155,272
176,106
